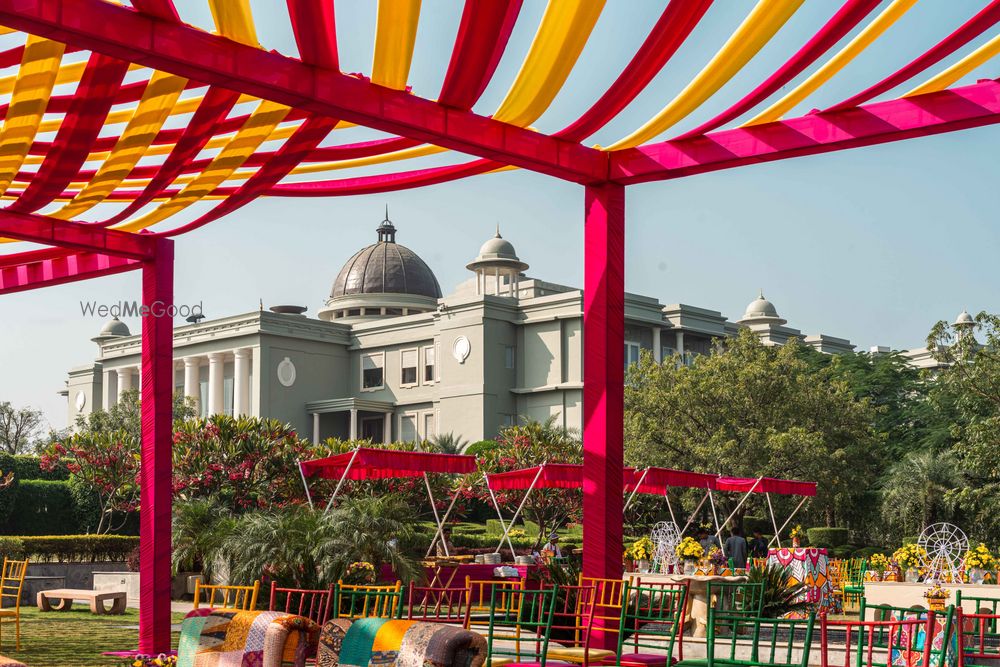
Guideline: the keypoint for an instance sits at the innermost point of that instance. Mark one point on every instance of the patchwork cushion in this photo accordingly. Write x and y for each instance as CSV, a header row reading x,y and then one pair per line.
x,y
579,654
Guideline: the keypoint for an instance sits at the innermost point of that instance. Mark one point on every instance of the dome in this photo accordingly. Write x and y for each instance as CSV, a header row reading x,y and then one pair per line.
x,y
115,327
386,267
497,252
760,307
964,319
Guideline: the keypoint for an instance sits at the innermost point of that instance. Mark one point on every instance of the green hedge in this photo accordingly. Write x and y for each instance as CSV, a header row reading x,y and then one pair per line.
x,y
26,466
868,552
68,548
827,537
42,507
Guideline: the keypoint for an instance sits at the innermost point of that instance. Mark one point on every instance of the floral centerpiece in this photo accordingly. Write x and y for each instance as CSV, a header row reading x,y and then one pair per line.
x,y
142,660
977,561
717,559
936,597
796,536
360,572
879,564
689,551
910,557
641,552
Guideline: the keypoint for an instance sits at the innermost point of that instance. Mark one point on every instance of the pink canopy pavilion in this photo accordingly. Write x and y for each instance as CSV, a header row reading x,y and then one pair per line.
x,y
766,485
174,99
367,463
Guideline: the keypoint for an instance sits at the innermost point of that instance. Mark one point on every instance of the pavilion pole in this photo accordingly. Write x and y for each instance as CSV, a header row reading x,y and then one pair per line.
x,y
603,378
155,468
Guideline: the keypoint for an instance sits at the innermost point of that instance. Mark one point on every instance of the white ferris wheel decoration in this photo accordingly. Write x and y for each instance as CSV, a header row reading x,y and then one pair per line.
x,y
665,537
945,545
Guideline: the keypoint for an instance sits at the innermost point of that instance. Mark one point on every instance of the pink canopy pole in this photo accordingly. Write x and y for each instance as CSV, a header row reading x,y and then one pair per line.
x,y
603,377
155,468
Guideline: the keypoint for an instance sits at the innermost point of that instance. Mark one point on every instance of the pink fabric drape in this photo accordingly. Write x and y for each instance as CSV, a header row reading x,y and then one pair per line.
x,y
315,28
659,480
372,463
784,487
841,23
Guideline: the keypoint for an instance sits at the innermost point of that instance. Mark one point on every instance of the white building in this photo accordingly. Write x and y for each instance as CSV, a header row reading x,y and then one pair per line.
x,y
389,357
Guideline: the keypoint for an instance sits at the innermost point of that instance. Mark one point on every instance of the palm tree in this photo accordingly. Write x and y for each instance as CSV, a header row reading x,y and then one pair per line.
x,y
200,529
449,443
915,490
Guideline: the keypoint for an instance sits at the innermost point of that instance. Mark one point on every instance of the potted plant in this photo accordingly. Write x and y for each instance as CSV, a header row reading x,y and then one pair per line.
x,y
143,660
879,566
977,561
910,557
936,597
641,552
690,551
796,536
717,560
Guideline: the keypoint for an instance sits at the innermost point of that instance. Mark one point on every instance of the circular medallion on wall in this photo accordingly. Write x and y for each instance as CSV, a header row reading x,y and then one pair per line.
x,y
81,401
286,372
461,349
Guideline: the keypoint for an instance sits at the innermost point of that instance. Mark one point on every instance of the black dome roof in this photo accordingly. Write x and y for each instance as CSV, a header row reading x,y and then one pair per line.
x,y
386,267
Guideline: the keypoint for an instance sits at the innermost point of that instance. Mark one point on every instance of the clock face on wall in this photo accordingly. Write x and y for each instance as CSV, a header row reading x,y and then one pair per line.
x,y
461,349
286,372
81,401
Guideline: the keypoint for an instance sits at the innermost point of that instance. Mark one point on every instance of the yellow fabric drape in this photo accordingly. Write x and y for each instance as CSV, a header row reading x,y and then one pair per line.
x,y
862,41
395,35
30,96
234,20
153,110
959,69
757,29
254,132
557,45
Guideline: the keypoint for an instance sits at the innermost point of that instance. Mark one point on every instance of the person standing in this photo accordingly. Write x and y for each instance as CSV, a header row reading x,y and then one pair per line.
x,y
758,545
736,549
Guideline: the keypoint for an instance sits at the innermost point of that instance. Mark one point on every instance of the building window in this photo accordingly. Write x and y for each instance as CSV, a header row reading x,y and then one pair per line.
x,y
429,360
354,312
372,371
508,356
393,311
509,420
408,427
666,352
631,353
408,367
429,431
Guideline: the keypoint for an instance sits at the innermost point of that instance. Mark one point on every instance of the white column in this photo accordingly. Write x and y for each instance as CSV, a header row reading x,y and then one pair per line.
x,y
680,343
216,365
192,381
354,424
241,382
110,389
387,429
124,381
657,347
315,428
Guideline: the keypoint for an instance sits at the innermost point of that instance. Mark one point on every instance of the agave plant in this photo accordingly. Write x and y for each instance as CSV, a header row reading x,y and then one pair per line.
x,y
782,594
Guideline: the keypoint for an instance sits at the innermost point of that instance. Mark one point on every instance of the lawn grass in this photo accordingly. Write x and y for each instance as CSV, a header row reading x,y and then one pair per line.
x,y
74,637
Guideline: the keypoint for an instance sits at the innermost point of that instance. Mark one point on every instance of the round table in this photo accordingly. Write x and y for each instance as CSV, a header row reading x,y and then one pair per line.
x,y
697,605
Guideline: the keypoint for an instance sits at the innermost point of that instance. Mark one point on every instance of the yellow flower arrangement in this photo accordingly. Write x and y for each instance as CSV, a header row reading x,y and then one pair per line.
x,y
879,562
910,556
690,549
980,558
517,532
796,532
937,593
641,549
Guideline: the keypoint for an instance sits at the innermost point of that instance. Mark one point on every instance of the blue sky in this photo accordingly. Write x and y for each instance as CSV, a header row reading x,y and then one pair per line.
x,y
873,244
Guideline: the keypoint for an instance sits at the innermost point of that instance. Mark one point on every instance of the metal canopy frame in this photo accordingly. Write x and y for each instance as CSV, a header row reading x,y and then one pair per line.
x,y
320,97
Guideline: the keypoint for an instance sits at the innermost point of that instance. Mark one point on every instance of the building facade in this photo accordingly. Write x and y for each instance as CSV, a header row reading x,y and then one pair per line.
x,y
391,358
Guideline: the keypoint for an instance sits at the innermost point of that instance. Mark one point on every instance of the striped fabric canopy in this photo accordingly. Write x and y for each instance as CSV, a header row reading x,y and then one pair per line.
x,y
128,105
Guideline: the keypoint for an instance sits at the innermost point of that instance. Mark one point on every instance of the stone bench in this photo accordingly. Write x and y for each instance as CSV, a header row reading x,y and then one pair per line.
x,y
64,598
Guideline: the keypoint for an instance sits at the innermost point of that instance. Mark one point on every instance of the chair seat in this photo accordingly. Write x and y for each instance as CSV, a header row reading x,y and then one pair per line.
x,y
548,663
8,612
643,660
578,654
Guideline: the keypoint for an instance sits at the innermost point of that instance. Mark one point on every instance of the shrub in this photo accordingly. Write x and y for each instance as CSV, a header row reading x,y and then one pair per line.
x,y
69,548
468,529
42,507
911,539
27,466
480,447
827,537
841,551
868,552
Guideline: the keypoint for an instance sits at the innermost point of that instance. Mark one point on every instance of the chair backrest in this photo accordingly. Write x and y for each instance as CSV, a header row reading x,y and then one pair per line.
x,y
480,591
773,642
855,575
12,581
938,625
520,625
238,598
314,604
881,643
573,615
979,637
609,599
736,598
654,619
355,601
438,604
497,595
983,605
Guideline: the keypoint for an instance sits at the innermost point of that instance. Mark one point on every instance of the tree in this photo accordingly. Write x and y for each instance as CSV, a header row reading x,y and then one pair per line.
x,y
751,410
449,443
914,493
527,445
969,386
19,427
126,415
